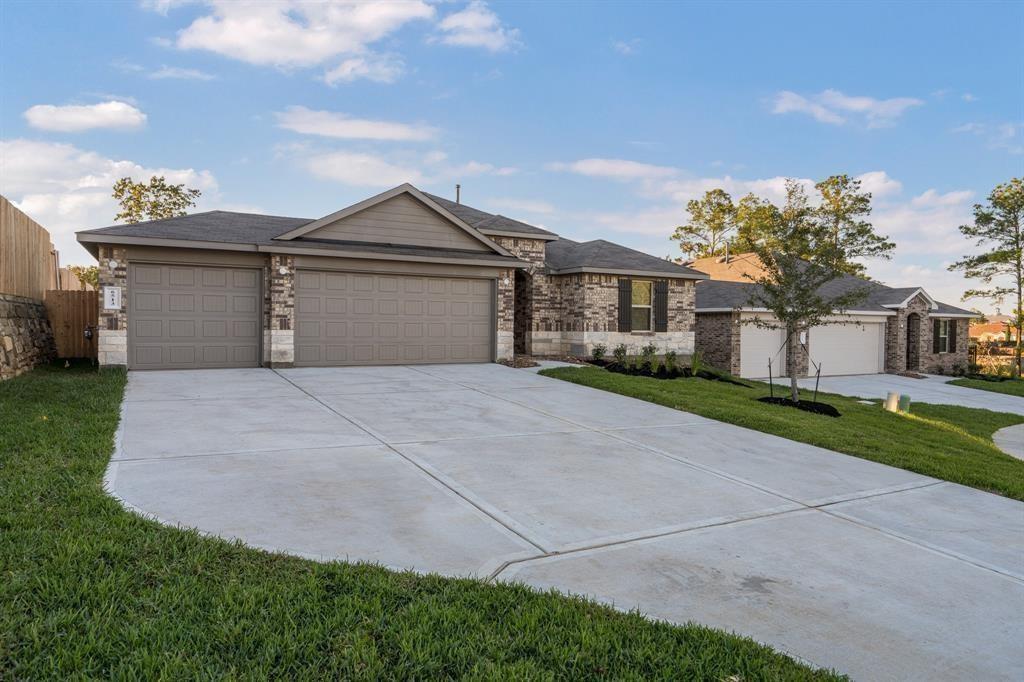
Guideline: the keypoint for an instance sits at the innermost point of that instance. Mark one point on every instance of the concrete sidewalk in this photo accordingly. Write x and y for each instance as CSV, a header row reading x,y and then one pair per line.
x,y
487,471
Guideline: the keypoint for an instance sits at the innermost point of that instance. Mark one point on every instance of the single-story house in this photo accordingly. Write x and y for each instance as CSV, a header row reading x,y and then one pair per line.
x,y
403,277
893,330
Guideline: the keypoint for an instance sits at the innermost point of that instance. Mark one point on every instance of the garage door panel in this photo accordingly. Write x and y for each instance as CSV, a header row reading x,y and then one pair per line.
x,y
394,319
757,347
193,316
847,348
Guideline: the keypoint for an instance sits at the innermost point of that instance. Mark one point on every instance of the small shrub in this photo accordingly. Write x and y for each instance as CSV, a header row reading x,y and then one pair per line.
x,y
671,360
958,369
647,356
619,353
598,351
938,369
696,362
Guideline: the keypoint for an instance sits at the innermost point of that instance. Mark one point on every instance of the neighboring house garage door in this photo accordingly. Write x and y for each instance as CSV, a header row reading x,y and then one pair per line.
x,y
757,346
374,319
185,317
847,348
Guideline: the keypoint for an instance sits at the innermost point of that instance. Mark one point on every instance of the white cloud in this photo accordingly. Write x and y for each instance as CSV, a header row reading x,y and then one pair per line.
x,y
1007,136
968,97
377,68
524,205
296,34
879,183
67,189
836,108
477,26
360,170
626,47
615,169
339,125
74,118
181,74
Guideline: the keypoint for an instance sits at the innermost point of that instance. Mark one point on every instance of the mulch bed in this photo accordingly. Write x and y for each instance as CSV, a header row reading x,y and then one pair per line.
x,y
805,405
662,372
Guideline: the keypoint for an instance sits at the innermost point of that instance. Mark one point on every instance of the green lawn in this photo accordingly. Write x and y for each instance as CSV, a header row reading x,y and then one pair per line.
x,y
88,590
947,442
1010,387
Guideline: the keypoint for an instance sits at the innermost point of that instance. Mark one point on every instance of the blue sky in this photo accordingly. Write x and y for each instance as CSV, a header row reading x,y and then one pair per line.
x,y
591,119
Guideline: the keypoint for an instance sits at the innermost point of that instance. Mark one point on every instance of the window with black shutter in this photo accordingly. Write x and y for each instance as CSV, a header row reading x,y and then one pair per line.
x,y
952,336
936,341
625,305
661,306
944,341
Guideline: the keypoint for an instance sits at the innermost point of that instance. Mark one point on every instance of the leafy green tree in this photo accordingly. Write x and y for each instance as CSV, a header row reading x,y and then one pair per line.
x,y
800,250
757,221
153,200
997,229
86,274
844,211
707,233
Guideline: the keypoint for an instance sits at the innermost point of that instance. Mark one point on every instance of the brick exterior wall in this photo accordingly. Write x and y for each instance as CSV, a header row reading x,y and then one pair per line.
x,y
718,339
112,341
279,338
505,313
26,338
897,352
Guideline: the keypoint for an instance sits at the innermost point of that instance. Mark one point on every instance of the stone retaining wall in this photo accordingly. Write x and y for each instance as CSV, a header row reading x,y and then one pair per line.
x,y
26,338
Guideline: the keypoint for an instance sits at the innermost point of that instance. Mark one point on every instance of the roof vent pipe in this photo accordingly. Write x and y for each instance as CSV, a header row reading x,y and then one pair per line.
x,y
458,194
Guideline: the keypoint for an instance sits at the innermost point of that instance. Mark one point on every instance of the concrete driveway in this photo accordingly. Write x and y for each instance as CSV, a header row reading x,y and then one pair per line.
x,y
931,389
502,474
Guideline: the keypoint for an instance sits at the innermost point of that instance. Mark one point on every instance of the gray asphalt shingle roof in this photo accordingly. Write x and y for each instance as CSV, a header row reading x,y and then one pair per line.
x,y
566,254
718,295
482,220
210,226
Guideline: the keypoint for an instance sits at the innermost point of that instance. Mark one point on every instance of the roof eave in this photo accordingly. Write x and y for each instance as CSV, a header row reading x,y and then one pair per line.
x,y
99,238
626,271
376,255
519,235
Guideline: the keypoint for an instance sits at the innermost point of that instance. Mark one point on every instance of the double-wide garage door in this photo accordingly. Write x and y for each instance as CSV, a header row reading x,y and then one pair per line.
x,y
346,318
186,317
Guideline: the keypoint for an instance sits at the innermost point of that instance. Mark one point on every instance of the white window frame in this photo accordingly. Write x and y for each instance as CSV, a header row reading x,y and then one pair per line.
x,y
650,308
944,336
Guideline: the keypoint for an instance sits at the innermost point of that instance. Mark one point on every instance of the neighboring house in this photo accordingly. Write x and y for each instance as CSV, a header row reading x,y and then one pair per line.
x,y
742,267
403,277
893,330
993,331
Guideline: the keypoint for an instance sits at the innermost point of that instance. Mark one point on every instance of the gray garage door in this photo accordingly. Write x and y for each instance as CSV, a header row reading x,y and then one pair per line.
x,y
182,317
370,319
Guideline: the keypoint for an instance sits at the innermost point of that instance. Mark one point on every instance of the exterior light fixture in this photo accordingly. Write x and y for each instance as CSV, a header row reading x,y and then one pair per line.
x,y
283,270
112,264
506,281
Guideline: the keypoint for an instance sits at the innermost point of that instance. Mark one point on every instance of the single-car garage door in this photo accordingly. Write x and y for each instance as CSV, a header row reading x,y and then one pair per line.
x,y
847,348
757,347
345,318
183,316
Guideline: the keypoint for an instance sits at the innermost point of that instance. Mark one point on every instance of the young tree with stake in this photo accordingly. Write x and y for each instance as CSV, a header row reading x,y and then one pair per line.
x,y
801,250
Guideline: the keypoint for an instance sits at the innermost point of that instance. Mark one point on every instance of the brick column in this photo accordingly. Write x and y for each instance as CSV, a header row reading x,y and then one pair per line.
x,y
112,336
279,338
506,314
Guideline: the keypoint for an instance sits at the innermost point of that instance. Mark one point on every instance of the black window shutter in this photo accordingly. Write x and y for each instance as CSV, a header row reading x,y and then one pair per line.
x,y
661,306
936,342
625,305
952,336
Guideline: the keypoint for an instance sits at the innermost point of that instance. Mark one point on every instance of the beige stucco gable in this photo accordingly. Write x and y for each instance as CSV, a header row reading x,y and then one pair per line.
x,y
401,219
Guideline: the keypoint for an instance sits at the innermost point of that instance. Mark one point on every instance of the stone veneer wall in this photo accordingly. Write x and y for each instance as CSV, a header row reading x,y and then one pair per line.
x,y
718,339
279,338
946,363
26,338
542,301
112,342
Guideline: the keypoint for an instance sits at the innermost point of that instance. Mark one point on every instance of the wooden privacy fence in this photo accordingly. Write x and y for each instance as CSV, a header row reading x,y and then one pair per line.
x,y
70,313
28,262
